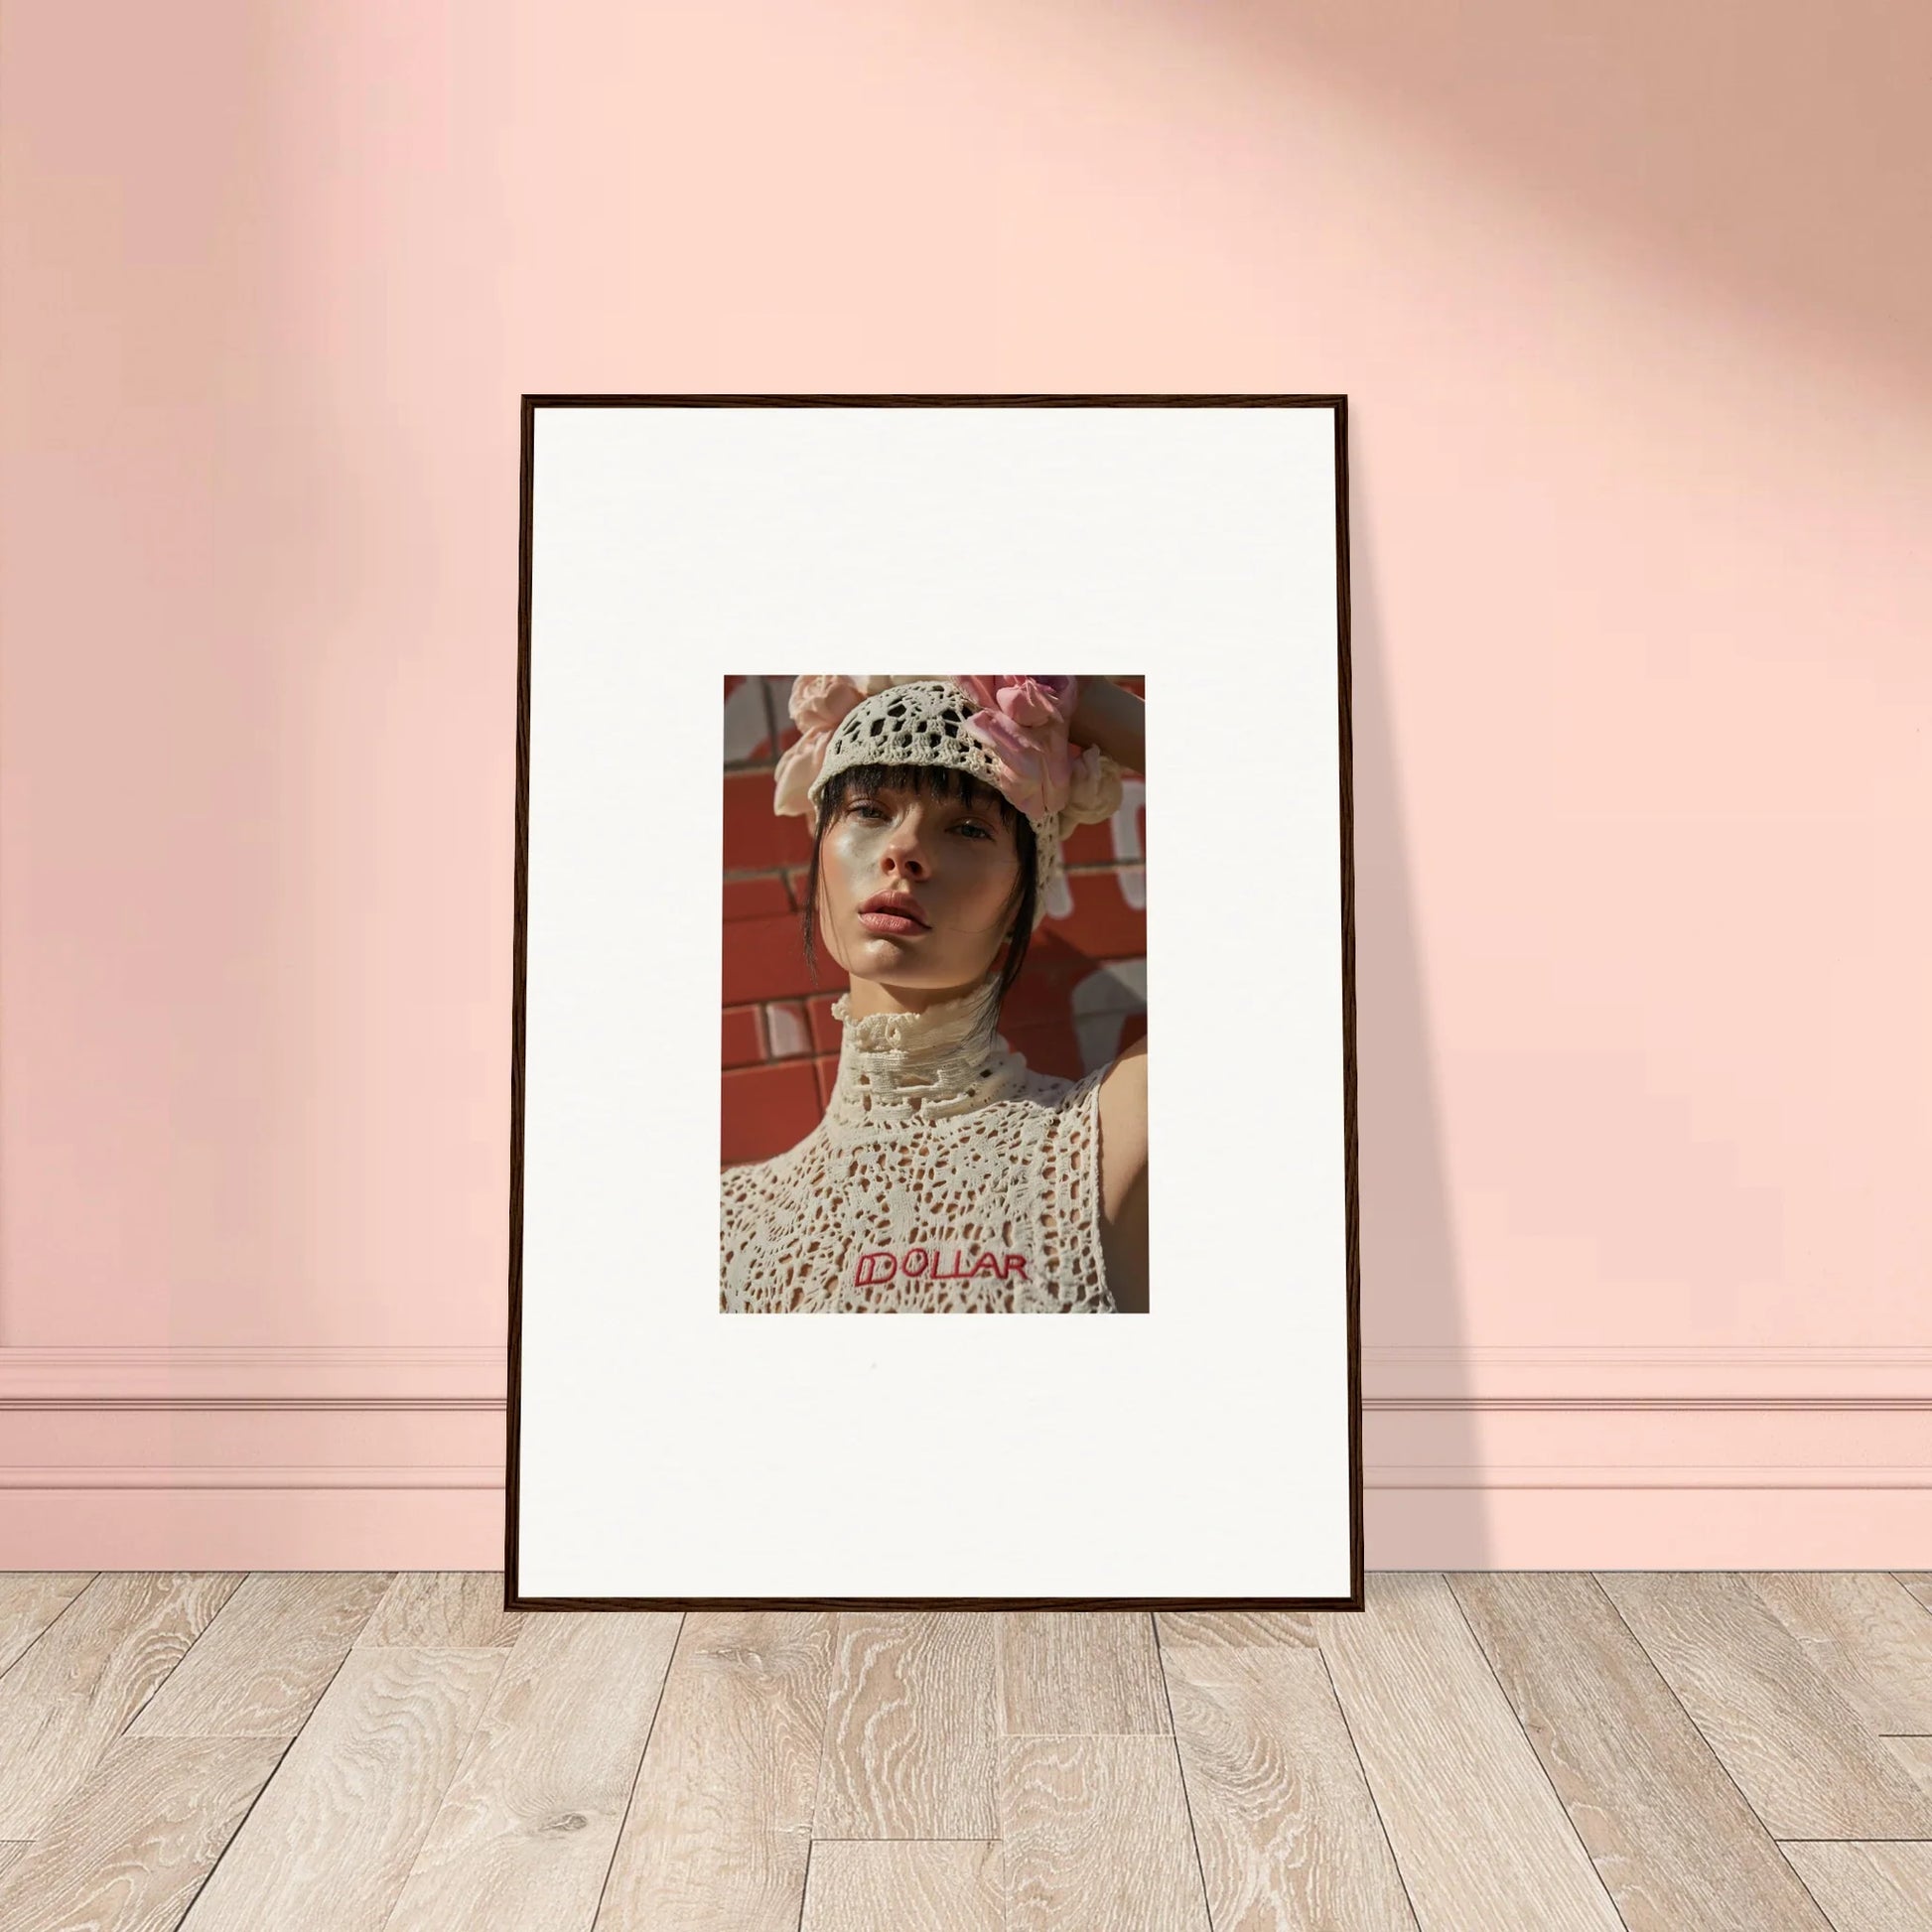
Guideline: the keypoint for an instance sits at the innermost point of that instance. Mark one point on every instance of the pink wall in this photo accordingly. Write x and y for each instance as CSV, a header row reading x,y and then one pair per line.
x,y
1634,316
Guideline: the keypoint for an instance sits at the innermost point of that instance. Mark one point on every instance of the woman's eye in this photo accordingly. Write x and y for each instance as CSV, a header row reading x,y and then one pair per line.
x,y
860,807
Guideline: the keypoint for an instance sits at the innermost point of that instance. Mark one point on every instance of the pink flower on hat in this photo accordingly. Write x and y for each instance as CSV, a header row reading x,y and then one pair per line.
x,y
1023,721
817,705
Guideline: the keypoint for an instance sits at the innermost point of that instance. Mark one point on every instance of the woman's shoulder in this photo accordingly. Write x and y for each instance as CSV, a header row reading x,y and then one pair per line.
x,y
1109,1085
1127,1070
1122,1099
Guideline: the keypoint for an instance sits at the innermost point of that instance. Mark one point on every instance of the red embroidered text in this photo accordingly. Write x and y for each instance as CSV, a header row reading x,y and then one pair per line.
x,y
933,1265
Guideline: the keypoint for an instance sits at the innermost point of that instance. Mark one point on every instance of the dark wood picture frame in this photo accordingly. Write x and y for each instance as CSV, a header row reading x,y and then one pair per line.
x,y
515,1598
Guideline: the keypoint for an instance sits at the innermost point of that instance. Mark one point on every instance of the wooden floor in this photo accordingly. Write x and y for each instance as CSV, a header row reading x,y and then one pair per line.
x,y
283,1752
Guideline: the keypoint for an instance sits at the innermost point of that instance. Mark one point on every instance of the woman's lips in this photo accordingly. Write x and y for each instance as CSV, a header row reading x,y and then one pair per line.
x,y
890,922
902,911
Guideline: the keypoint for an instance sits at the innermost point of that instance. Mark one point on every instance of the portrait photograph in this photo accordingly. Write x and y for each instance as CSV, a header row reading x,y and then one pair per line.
x,y
934,1090
836,995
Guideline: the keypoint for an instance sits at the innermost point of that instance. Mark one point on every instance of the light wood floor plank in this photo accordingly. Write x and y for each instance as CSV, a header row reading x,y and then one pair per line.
x,y
129,1849
904,1885
1865,1635
718,1826
1916,1754
258,1668
1918,1582
910,1735
967,1771
1260,1628
331,1841
1428,1719
1868,1887
1676,1847
1286,1832
74,1691
444,1609
30,1600
1797,1750
1067,1673
527,1830
1096,1837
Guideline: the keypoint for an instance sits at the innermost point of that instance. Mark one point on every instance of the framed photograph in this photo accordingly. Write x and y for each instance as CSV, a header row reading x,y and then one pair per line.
x,y
855,994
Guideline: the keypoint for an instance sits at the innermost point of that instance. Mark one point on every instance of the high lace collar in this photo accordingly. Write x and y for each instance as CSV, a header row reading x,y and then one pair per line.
x,y
900,1068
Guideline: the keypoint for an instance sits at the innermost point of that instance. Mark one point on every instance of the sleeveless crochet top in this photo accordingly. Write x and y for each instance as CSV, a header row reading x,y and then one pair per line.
x,y
947,1177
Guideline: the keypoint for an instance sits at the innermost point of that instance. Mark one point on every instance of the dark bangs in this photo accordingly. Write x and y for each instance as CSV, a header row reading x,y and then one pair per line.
x,y
925,781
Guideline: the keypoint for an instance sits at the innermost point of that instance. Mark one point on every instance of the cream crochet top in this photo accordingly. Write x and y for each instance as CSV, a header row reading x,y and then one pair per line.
x,y
946,1178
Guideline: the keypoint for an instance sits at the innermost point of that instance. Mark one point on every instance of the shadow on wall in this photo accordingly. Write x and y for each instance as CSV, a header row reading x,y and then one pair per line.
x,y
1418,1453
1779,154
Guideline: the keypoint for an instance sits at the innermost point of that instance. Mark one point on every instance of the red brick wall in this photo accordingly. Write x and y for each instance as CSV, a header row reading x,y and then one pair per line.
x,y
780,1043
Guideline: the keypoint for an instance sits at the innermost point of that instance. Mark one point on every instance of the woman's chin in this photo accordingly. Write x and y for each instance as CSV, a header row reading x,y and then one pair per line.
x,y
904,962
877,952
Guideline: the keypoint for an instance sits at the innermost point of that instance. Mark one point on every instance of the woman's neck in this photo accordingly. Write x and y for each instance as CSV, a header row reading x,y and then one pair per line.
x,y
864,998
898,1064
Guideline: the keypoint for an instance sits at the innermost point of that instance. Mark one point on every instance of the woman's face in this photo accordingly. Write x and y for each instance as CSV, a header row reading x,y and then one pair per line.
x,y
955,861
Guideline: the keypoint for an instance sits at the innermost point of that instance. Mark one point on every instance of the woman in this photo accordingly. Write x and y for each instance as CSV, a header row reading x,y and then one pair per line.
x,y
946,1175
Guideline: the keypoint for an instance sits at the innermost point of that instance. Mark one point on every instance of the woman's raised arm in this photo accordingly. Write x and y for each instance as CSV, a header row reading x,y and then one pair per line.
x,y
1110,716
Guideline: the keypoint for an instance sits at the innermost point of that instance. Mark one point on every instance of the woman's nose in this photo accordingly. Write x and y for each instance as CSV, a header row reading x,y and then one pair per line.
x,y
903,855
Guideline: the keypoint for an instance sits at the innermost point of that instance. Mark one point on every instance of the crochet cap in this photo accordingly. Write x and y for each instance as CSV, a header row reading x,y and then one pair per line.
x,y
922,721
